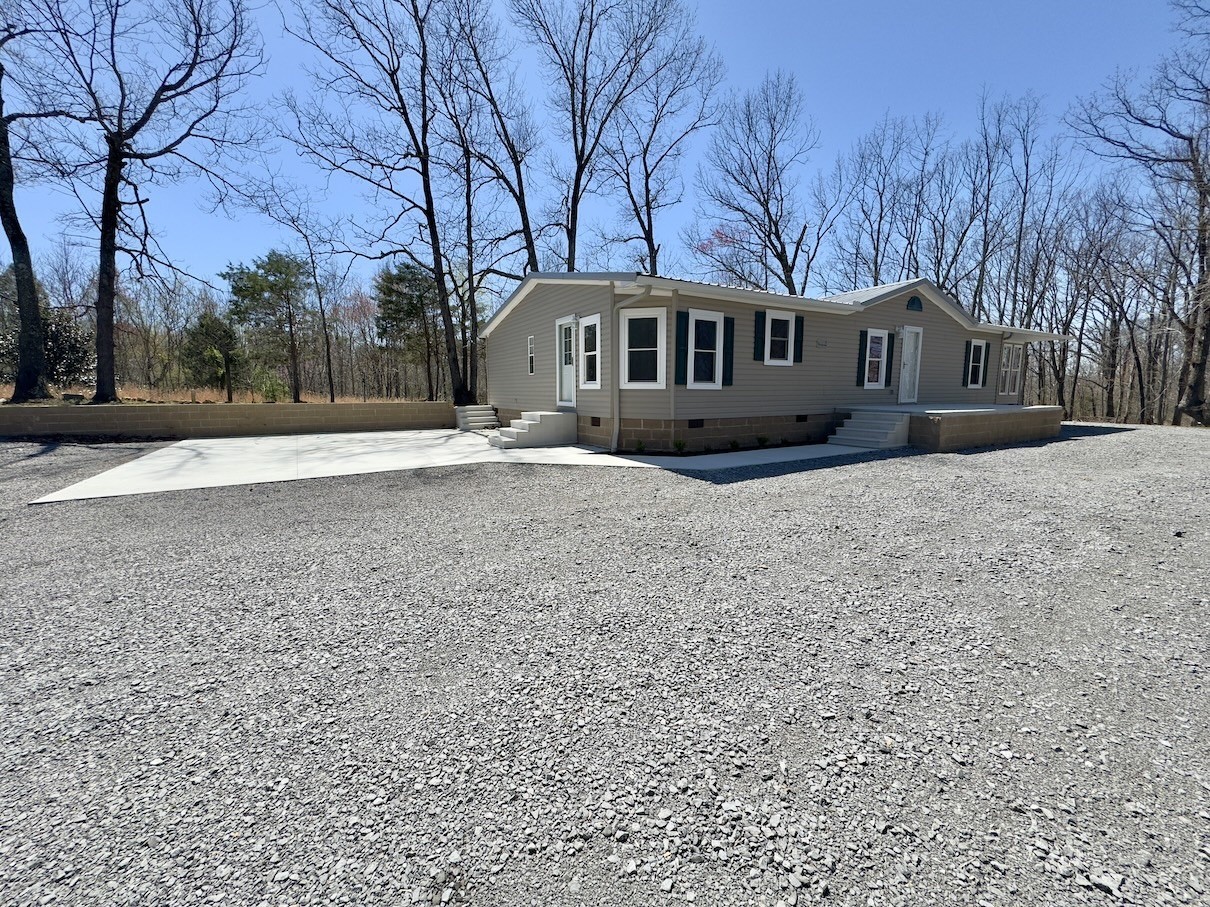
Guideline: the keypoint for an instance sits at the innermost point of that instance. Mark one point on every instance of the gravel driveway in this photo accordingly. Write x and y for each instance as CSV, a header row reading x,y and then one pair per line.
x,y
936,679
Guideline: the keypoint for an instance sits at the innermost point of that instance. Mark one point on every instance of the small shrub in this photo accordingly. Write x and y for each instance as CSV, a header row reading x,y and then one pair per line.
x,y
639,445
785,442
709,448
734,444
679,445
762,440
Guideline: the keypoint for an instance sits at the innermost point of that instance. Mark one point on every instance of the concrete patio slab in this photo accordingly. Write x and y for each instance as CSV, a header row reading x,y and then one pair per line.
x,y
217,462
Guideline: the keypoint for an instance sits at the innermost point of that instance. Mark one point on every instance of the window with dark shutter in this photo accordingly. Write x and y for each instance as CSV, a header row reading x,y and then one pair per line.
x,y
779,339
705,350
728,351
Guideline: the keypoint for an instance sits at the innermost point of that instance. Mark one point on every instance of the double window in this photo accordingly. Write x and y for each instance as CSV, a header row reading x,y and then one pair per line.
x,y
705,350
590,352
875,358
643,362
1011,360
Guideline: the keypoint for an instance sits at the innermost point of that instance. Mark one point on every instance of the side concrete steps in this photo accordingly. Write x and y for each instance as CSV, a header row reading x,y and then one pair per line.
x,y
537,429
476,418
877,431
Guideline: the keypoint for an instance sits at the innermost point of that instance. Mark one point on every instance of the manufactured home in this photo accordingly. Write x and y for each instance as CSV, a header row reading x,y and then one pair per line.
x,y
634,362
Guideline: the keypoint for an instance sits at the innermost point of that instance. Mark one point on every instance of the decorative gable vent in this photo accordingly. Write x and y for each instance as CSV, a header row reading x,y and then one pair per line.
x,y
915,305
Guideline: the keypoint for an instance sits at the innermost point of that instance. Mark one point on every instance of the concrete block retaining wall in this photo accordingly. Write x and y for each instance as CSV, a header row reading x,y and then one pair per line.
x,y
943,432
218,420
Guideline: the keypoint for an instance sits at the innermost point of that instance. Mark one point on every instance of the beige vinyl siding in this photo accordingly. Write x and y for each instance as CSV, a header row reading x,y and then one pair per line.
x,y
827,376
510,386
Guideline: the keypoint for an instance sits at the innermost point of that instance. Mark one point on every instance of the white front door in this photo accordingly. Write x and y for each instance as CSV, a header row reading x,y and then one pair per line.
x,y
565,340
909,365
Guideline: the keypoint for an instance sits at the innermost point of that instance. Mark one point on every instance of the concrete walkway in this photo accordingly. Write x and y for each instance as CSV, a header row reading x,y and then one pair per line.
x,y
216,462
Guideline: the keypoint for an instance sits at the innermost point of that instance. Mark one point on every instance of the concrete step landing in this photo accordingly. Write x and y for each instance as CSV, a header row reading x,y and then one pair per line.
x,y
873,430
476,417
537,429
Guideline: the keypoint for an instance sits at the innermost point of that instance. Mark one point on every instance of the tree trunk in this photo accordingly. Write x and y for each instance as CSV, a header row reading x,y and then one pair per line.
x,y
31,383
1192,401
428,356
227,376
295,390
107,273
323,323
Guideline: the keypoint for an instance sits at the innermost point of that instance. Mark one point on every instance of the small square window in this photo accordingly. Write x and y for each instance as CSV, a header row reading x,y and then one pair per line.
x,y
779,338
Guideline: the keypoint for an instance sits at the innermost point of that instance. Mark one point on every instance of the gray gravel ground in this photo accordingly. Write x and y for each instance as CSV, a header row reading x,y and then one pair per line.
x,y
948,679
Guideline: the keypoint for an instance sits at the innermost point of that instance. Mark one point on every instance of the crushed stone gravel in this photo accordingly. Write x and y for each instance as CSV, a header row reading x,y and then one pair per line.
x,y
973,678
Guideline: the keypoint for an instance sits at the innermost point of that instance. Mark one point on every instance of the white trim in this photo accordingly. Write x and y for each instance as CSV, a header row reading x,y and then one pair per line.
x,y
661,316
881,382
631,282
771,314
585,384
984,355
903,360
1012,362
696,315
529,354
560,353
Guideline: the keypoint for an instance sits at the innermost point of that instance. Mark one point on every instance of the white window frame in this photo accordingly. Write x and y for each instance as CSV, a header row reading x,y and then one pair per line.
x,y
530,353
781,316
584,354
696,315
977,381
1009,384
661,330
871,333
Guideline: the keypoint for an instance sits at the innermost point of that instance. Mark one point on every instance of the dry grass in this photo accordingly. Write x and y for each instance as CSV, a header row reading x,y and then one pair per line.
x,y
133,393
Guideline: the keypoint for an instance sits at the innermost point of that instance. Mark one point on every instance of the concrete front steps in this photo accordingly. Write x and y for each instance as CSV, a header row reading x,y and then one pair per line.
x,y
476,418
537,429
877,431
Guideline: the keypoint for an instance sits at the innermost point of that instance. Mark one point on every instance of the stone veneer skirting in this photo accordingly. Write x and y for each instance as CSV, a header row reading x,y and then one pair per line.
x,y
218,420
941,432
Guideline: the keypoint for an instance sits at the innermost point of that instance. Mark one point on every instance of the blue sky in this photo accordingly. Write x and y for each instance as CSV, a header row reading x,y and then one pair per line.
x,y
855,60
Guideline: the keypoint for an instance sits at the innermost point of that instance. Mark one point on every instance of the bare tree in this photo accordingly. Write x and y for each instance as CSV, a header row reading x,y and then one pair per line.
x,y
381,61
1163,127
643,156
19,24
752,227
596,52
482,70
158,82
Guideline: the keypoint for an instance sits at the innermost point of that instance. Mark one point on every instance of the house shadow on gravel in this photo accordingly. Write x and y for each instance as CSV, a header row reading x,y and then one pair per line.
x,y
1070,432
772,470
